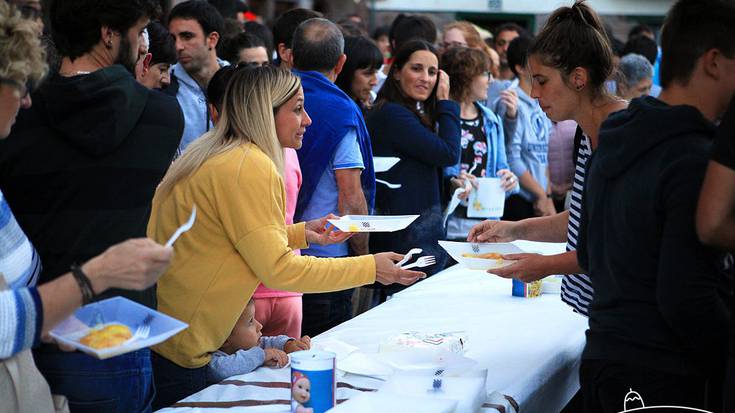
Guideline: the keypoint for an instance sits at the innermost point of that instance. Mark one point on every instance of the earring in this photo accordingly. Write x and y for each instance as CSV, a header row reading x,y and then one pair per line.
x,y
580,87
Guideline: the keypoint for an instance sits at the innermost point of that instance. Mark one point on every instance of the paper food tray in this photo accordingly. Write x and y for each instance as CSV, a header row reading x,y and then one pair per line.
x,y
384,163
373,223
116,310
458,249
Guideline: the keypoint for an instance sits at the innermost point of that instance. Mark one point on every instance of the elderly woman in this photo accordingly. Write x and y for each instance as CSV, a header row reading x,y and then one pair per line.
x,y
233,174
636,77
29,312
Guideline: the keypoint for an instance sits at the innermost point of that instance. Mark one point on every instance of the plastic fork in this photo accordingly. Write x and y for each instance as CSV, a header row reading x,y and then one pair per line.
x,y
388,184
408,255
187,226
143,330
421,262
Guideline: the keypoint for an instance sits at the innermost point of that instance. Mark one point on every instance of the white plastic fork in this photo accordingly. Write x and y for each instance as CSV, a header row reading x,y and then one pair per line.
x,y
408,255
187,226
421,262
143,330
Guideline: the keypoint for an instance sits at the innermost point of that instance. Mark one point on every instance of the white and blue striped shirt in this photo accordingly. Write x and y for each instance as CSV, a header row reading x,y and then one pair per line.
x,y
20,304
576,289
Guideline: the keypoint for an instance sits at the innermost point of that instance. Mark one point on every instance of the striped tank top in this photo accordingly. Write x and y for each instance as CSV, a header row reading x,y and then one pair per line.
x,y
576,289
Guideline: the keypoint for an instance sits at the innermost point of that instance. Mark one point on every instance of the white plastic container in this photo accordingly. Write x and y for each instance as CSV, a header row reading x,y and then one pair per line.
x,y
384,163
313,384
373,223
116,310
463,253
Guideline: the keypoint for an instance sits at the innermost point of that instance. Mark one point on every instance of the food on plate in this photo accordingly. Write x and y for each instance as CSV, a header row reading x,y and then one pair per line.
x,y
106,337
487,255
354,228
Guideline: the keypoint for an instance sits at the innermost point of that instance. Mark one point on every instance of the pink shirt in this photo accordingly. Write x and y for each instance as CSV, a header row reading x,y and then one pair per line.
x,y
292,181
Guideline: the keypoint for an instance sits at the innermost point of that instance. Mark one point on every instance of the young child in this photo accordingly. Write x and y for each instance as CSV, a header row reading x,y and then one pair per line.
x,y
245,349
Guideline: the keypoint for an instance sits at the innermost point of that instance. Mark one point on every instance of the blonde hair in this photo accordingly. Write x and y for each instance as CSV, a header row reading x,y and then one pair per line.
x,y
471,35
23,57
248,116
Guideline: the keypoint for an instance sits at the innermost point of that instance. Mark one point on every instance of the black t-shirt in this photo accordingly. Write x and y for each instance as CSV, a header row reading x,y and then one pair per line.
x,y
723,151
474,146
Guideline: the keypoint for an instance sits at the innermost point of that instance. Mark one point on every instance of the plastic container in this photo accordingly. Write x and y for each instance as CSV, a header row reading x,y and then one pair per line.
x,y
116,310
466,254
373,223
313,385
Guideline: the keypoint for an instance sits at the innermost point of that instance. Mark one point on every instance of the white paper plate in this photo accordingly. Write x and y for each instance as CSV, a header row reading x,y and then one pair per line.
x,y
384,163
457,249
116,310
373,223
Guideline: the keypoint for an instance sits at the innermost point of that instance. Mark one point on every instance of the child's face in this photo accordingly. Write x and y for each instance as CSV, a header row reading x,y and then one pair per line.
x,y
246,333
301,390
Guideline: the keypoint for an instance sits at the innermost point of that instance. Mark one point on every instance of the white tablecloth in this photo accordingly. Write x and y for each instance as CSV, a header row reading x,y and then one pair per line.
x,y
530,347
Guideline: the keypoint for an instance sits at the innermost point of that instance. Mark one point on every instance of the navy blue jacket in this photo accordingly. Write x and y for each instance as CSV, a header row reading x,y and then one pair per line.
x,y
396,131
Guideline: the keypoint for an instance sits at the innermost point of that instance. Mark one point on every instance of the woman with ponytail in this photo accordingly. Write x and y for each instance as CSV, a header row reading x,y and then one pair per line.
x,y
233,175
570,60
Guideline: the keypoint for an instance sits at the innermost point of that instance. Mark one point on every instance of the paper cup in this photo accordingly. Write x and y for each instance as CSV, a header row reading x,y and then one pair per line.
x,y
488,200
313,386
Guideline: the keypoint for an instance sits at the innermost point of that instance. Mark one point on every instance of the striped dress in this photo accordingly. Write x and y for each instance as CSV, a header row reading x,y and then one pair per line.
x,y
20,304
576,289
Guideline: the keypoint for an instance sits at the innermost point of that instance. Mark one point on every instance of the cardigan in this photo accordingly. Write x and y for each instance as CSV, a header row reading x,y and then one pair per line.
x,y
239,240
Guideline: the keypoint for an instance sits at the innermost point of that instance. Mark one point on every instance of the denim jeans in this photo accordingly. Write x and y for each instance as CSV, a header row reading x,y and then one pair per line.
x,y
119,384
174,382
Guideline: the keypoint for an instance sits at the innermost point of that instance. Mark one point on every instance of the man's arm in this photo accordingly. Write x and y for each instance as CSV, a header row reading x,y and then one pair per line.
x,y
716,209
352,202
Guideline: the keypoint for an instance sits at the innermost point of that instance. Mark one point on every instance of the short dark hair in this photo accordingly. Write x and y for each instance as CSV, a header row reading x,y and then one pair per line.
x,y
463,64
509,27
76,24
392,92
642,45
200,10
691,28
317,45
380,31
362,53
518,52
287,23
263,32
231,47
407,27
218,85
575,37
161,44
639,30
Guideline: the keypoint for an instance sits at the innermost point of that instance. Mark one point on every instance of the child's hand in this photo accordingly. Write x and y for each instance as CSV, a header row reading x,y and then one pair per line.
x,y
297,344
275,358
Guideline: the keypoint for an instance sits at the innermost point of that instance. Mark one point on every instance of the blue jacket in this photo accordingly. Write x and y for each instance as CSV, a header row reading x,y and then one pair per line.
x,y
527,140
334,115
496,157
397,131
193,101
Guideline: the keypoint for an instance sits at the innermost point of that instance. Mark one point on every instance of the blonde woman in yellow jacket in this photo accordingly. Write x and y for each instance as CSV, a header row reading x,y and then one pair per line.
x,y
233,175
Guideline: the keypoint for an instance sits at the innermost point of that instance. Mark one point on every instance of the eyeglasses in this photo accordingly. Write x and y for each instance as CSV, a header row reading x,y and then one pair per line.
x,y
22,88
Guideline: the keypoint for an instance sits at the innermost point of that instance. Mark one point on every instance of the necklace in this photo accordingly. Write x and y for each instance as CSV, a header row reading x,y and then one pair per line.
x,y
77,73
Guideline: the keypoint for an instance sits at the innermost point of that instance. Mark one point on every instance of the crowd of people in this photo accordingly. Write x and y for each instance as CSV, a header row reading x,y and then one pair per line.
x,y
116,121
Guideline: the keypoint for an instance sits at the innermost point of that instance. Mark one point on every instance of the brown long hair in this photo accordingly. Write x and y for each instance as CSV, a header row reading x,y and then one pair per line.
x,y
392,91
575,37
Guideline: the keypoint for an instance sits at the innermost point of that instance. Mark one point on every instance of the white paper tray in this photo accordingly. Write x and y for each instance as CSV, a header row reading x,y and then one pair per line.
x,y
116,310
384,163
456,249
373,223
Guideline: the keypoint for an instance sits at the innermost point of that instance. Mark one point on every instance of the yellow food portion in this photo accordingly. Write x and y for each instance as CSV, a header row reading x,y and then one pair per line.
x,y
354,228
106,337
487,255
